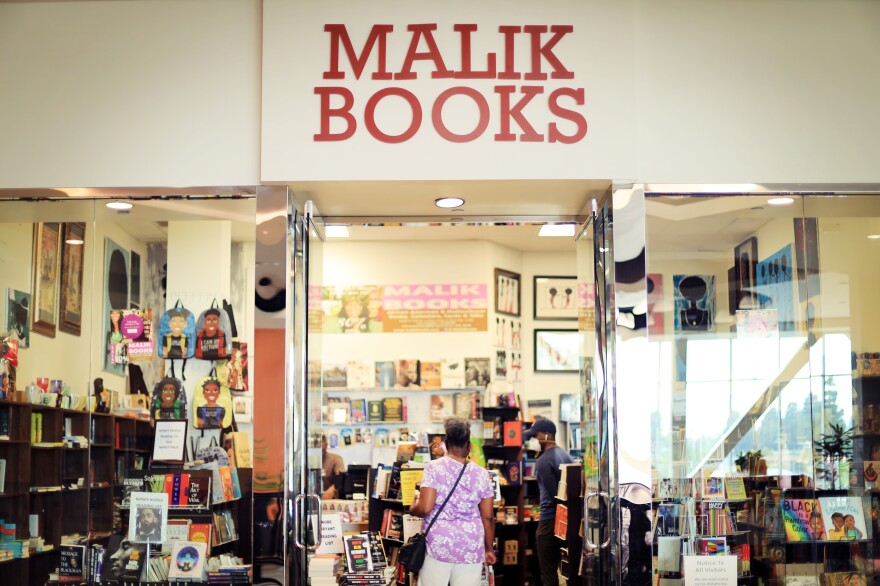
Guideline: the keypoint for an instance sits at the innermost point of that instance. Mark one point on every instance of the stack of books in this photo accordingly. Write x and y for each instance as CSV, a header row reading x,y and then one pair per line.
x,y
362,579
323,569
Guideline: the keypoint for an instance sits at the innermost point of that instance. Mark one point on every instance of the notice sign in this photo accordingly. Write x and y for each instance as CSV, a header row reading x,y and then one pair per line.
x,y
331,533
707,570
170,442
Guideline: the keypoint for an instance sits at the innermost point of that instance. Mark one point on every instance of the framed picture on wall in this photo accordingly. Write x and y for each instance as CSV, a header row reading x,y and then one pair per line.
x,y
116,290
47,256
745,264
555,297
507,294
243,409
70,309
557,350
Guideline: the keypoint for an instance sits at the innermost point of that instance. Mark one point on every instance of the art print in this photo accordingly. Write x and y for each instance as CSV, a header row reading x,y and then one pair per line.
x,y
47,257
18,320
557,350
776,286
72,254
694,302
507,293
555,298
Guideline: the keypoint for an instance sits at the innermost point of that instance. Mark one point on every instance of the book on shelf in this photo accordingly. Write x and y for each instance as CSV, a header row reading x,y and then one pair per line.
x,y
495,483
361,374
411,525
668,519
716,519
871,470
408,480
338,410
377,551
406,451
358,410
843,518
406,373
228,491
357,553
334,375
393,491
801,580
385,374
393,408
513,433
178,530
736,489
125,563
200,532
712,546
477,453
72,563
802,519
375,413
452,373
2,475
511,515
466,405
187,561
513,472
560,527
441,407
430,375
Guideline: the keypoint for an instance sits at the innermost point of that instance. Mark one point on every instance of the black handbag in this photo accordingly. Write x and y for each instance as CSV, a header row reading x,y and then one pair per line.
x,y
412,553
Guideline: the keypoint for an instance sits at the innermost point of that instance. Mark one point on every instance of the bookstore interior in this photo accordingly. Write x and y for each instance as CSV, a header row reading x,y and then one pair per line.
x,y
708,361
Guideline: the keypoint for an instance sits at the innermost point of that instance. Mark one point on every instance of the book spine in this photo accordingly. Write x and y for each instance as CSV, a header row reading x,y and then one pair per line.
x,y
184,489
175,489
169,488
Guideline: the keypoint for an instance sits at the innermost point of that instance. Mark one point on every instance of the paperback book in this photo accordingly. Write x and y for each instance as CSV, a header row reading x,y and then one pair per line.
x,y
187,560
802,519
843,518
148,517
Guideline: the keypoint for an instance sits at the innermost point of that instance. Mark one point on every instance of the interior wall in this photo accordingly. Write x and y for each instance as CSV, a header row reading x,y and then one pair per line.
x,y
135,93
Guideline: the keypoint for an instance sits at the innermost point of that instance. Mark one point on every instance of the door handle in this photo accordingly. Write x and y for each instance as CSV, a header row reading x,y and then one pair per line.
x,y
607,498
590,545
317,499
297,529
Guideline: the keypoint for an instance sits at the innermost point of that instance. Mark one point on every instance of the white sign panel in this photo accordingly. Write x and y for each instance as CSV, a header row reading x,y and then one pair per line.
x,y
391,89
707,570
331,533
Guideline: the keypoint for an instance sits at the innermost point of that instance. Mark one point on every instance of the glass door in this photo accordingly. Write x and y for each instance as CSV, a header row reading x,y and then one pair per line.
x,y
303,479
596,273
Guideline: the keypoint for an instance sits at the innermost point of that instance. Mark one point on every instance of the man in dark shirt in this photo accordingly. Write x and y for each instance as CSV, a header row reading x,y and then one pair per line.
x,y
548,474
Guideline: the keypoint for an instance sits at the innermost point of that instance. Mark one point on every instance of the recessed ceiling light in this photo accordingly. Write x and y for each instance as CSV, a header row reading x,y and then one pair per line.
x,y
448,202
557,230
336,231
781,201
74,242
119,205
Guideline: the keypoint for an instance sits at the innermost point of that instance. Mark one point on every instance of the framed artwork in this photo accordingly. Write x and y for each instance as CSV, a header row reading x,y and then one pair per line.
x,y
507,294
47,256
555,297
72,252
18,317
557,350
745,265
243,409
694,303
116,289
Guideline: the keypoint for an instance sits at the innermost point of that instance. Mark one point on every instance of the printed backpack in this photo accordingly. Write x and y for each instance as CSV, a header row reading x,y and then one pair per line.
x,y
177,333
214,337
212,404
169,399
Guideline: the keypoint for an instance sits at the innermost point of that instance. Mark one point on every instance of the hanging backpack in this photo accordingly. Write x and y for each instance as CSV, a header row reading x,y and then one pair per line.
x,y
169,399
214,339
212,404
177,333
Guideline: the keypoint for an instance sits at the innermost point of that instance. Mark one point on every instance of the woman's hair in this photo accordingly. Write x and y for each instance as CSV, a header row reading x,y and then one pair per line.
x,y
458,432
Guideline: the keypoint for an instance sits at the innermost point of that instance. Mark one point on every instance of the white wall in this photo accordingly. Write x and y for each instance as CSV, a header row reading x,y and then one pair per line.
x,y
131,93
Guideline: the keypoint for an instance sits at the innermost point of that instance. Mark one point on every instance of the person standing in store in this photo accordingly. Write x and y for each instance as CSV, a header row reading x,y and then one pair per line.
x,y
542,436
462,538
332,465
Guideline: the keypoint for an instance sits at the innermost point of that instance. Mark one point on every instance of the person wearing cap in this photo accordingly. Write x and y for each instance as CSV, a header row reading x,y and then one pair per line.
x,y
543,433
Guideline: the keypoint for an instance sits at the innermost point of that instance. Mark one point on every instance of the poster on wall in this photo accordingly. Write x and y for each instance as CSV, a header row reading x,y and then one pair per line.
x,y
47,254
694,302
116,283
776,286
369,309
18,304
72,278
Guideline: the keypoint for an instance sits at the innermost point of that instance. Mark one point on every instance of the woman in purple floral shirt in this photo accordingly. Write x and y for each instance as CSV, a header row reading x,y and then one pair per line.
x,y
461,539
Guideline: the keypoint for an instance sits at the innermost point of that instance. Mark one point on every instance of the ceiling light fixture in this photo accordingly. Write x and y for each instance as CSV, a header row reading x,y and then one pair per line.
x,y
873,236
119,205
336,231
74,242
781,201
448,202
557,230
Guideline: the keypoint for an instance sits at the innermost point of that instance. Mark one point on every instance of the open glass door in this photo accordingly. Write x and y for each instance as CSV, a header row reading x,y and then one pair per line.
x,y
596,271
305,433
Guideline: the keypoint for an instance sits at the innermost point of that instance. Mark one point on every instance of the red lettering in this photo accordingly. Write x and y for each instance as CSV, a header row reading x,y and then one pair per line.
x,y
509,33
529,132
370,115
546,51
433,53
338,33
466,71
565,113
437,111
343,112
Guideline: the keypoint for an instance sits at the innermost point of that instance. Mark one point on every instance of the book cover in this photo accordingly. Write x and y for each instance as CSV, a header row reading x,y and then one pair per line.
x,y
406,373
466,405
713,487
802,519
441,407
126,563
236,483
148,517
361,374
395,525
843,579
667,519
226,480
178,530
338,410
476,372
495,483
334,375
513,472
357,553
452,373
713,546
71,566
2,475
241,447
200,532
411,526
408,480
199,491
393,491
871,469
377,551
736,489
430,376
513,433
802,581
406,451
187,560
358,410
374,411
843,518
385,374
392,407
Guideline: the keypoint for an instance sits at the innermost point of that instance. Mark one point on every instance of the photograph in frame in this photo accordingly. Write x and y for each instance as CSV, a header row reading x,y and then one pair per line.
x,y
507,292
243,409
18,316
557,350
555,298
47,253
72,254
